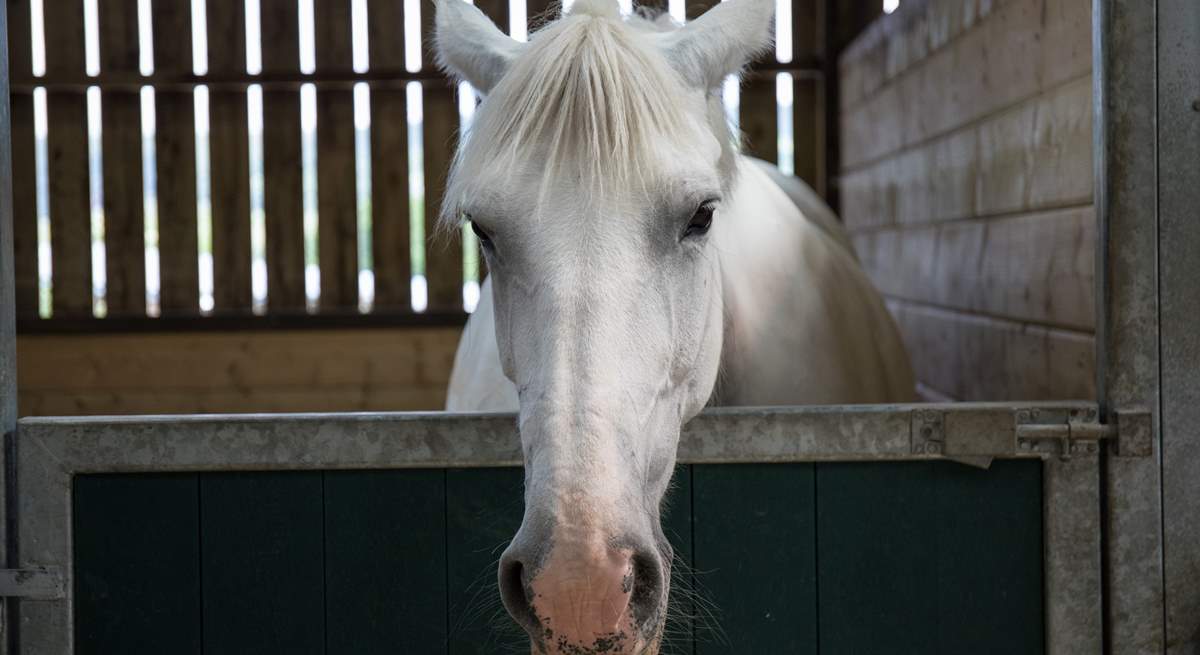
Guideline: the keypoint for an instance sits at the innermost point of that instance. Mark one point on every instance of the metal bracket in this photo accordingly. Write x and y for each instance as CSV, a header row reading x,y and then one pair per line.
x,y
1078,433
32,584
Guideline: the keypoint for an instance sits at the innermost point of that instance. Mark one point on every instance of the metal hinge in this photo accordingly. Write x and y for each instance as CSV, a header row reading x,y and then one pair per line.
x,y
32,584
975,434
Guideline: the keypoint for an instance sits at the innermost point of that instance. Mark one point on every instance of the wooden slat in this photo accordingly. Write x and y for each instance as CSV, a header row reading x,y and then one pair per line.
x,y
70,210
385,562
808,31
1036,268
262,563
759,118
137,564
754,529
497,10
483,512
229,162
20,53
678,637
338,217
1020,362
443,249
24,187
390,249
124,229
175,149
808,133
282,162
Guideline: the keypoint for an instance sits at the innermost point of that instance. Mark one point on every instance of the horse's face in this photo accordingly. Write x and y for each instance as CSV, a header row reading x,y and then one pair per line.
x,y
599,221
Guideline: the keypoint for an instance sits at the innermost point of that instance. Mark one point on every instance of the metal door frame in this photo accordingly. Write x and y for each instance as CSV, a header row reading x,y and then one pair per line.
x,y
50,452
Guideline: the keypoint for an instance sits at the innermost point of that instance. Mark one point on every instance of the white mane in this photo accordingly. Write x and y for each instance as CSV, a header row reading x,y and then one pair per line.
x,y
591,97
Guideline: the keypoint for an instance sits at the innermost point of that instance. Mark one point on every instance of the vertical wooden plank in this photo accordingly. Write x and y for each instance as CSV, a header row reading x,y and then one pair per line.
x,y
753,527
67,153
989,558
176,167
24,189
385,562
338,218
124,230
390,256
808,116
497,10
262,563
759,117
229,157
878,568
677,527
443,250
484,508
137,564
282,164
20,52
8,304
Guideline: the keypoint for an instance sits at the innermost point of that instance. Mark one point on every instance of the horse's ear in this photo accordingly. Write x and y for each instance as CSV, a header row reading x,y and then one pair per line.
x,y
471,46
721,41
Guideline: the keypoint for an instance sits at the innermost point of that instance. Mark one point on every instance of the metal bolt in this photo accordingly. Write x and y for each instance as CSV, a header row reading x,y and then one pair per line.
x,y
927,431
1023,416
934,448
1025,445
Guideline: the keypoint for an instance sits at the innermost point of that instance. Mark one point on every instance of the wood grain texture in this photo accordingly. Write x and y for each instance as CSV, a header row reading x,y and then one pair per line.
x,y
262,563
70,209
974,358
385,562
137,564
443,249
175,150
385,33
1005,58
336,192
229,157
24,187
390,241
1037,268
124,226
311,370
20,42
283,200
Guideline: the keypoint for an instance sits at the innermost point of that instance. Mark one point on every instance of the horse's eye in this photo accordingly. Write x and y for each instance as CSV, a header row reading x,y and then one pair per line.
x,y
701,220
484,239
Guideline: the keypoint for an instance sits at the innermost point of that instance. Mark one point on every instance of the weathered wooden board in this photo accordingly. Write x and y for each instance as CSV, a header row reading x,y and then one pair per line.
x,y
24,188
137,564
311,370
336,192
757,119
1037,268
484,508
262,563
972,357
443,249
391,260
385,562
753,528
985,70
229,157
175,151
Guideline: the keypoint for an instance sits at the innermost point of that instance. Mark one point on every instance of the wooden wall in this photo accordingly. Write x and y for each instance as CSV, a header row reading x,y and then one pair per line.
x,y
966,177
311,370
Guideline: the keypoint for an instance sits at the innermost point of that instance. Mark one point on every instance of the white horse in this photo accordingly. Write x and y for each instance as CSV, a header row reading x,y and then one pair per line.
x,y
641,268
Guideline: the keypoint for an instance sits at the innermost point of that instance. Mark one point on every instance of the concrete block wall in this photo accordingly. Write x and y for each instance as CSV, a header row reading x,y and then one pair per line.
x,y
966,141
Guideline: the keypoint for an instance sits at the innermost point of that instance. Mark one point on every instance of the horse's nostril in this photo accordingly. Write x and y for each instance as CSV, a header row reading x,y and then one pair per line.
x,y
647,586
515,596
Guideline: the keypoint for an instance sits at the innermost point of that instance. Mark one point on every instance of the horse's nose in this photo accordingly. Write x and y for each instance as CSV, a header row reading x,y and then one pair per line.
x,y
584,596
